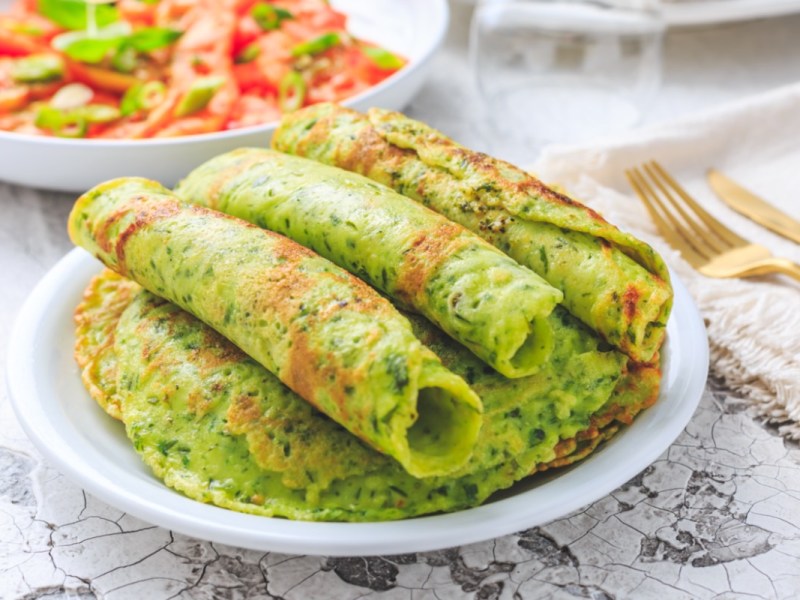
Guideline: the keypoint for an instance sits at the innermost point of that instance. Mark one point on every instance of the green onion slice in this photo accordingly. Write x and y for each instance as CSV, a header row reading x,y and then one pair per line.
x,y
37,68
383,59
248,54
319,44
142,96
291,92
269,17
152,94
97,113
198,96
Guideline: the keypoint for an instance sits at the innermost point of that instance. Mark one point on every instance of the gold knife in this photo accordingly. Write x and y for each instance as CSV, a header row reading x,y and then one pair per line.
x,y
753,207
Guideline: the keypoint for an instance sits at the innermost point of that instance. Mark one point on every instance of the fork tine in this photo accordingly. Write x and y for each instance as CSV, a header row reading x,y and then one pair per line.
x,y
720,230
674,233
698,235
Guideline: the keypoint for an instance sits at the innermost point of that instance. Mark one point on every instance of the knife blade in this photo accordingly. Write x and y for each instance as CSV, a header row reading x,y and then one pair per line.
x,y
753,207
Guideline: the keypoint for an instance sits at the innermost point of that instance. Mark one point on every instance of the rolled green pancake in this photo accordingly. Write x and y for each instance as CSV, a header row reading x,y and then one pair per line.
x,y
478,295
324,333
613,282
217,426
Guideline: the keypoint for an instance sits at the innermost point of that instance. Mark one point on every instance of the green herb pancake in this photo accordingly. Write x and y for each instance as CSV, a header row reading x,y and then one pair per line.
x,y
95,329
475,293
613,282
217,426
327,335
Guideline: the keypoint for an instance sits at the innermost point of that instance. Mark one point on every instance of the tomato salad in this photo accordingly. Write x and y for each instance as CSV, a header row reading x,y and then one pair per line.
x,y
160,68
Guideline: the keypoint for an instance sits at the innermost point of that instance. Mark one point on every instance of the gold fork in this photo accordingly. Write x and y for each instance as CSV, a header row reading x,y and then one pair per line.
x,y
705,243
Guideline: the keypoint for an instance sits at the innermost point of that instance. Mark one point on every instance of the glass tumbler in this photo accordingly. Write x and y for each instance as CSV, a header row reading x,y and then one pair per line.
x,y
563,71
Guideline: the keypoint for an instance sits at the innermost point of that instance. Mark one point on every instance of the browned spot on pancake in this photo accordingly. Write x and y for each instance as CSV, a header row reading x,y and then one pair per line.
x,y
101,233
492,168
198,403
288,250
424,257
146,212
564,447
307,370
642,380
317,133
224,352
96,317
589,433
287,284
243,412
362,152
630,302
306,374
579,450
104,300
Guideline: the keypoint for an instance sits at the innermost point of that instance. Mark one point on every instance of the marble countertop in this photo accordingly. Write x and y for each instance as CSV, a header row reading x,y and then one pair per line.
x,y
716,516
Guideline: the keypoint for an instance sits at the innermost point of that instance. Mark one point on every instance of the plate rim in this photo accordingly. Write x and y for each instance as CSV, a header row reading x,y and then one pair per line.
x,y
204,521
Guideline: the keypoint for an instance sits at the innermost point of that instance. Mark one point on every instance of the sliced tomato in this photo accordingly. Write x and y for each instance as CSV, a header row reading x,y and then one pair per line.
x,y
137,13
13,98
17,44
247,31
252,110
363,67
265,73
99,78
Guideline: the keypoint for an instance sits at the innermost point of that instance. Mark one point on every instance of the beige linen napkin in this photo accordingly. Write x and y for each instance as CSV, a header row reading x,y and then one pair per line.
x,y
753,324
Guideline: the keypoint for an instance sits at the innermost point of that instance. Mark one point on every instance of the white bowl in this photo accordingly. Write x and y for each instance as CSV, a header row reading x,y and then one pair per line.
x,y
413,28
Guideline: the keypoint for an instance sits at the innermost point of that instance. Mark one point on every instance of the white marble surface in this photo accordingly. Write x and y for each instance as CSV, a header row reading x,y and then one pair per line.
x,y
717,516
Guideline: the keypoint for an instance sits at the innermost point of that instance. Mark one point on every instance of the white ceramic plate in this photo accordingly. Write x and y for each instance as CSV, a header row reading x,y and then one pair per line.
x,y
412,28
707,12
91,448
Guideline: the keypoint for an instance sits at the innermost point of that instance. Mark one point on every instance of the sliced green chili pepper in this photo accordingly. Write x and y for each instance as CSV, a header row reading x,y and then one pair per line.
x,y
198,96
73,126
319,44
269,17
383,58
152,94
60,123
291,91
142,96
38,68
75,121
